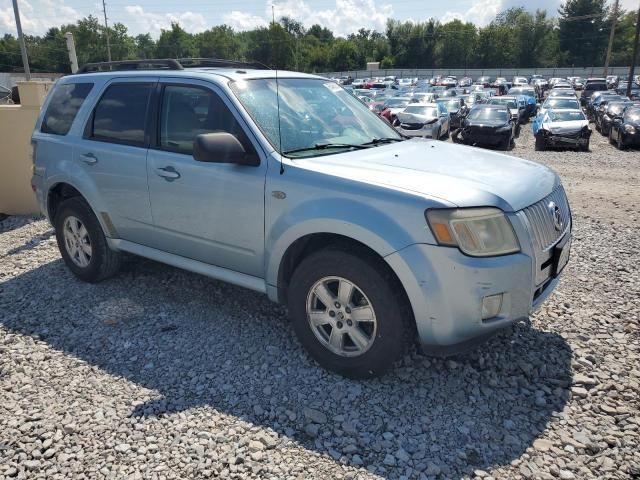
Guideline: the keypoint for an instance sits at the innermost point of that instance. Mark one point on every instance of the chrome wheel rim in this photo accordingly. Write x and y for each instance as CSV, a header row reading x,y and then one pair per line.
x,y
77,241
341,316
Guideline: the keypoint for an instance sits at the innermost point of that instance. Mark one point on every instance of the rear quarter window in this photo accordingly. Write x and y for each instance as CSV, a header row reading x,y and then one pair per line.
x,y
63,107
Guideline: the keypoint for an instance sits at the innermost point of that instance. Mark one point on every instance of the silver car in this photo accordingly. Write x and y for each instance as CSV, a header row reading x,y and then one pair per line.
x,y
290,186
429,120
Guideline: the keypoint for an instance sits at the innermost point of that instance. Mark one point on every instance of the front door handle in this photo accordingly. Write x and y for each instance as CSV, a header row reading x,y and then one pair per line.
x,y
168,173
89,158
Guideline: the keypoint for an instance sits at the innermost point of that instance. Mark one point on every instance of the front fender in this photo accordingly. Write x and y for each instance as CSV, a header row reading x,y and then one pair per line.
x,y
356,220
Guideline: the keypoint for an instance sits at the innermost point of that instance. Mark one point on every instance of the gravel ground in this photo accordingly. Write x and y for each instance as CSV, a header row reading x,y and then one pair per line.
x,y
159,373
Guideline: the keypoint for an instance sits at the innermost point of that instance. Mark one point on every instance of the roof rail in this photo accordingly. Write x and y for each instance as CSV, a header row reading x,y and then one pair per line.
x,y
220,63
146,64
169,64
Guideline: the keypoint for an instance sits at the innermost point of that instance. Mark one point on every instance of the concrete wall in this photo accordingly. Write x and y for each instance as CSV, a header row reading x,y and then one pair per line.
x,y
508,73
16,126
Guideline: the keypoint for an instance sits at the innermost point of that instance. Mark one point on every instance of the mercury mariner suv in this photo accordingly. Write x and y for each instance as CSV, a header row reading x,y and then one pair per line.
x,y
286,184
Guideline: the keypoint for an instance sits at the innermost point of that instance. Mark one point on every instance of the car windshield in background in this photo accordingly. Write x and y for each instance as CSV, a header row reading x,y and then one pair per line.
x,y
397,102
501,101
314,114
493,114
431,112
566,116
561,103
632,115
529,92
452,105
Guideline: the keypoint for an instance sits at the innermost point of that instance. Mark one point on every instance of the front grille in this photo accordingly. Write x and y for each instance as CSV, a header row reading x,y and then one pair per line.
x,y
541,218
541,223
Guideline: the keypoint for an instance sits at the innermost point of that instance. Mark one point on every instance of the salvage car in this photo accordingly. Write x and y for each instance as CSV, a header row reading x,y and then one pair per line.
x,y
530,98
487,125
612,110
625,129
430,120
562,128
394,105
592,85
370,240
600,107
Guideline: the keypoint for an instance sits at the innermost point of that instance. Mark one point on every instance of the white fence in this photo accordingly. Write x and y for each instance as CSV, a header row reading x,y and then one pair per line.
x,y
474,73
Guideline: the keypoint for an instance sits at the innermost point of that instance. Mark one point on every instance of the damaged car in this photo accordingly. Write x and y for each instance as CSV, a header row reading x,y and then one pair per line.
x,y
490,125
430,120
562,128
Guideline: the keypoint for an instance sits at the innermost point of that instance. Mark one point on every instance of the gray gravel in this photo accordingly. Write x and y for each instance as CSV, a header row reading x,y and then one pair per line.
x,y
159,373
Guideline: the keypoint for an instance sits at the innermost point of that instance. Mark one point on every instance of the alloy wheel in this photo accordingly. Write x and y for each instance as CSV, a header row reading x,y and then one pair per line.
x,y
77,241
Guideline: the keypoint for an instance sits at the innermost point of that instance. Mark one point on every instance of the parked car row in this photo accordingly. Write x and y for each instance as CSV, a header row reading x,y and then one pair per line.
x,y
483,114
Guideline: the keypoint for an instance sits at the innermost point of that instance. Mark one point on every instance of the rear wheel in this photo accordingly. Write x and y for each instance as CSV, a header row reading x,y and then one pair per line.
x,y
347,314
82,243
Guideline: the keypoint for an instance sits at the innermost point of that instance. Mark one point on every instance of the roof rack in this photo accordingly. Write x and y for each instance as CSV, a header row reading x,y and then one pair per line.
x,y
220,63
146,64
168,64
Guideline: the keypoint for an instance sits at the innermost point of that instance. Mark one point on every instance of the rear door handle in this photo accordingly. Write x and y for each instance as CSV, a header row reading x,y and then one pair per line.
x,y
89,158
168,173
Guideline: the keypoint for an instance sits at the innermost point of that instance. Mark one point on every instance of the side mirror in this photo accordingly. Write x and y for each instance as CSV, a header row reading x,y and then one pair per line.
x,y
221,147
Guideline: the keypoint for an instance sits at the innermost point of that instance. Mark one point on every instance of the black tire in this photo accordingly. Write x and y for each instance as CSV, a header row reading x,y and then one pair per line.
x,y
439,135
540,144
611,136
620,143
393,317
447,133
585,147
104,262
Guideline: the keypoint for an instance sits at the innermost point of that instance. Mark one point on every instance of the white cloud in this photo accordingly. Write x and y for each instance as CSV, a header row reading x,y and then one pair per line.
x,y
243,21
347,16
38,17
140,21
482,12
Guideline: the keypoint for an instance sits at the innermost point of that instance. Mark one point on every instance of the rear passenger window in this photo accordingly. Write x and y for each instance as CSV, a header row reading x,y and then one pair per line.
x,y
187,112
120,116
63,107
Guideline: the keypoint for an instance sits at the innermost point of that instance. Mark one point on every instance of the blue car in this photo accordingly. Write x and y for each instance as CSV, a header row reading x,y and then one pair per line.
x,y
529,94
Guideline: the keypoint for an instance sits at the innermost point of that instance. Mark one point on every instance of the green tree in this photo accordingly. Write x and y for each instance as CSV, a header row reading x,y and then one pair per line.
x,y
145,46
176,43
219,42
583,32
345,56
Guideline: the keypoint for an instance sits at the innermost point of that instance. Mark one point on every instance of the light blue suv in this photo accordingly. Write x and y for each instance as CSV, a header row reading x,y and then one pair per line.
x,y
286,184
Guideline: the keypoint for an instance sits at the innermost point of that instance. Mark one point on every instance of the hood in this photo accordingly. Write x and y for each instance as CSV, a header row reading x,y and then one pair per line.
x,y
457,174
566,127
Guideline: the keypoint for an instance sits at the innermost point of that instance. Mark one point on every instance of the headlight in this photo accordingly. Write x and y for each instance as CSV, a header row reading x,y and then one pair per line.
x,y
479,232
630,129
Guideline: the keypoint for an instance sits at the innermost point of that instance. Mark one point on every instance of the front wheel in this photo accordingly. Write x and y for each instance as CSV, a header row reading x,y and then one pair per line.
x,y
540,144
347,312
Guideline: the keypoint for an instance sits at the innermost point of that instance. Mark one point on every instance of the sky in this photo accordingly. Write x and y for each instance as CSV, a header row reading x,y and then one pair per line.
x,y
341,16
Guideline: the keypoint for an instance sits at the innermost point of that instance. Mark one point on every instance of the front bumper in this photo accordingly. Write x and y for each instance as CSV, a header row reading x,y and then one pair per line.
x,y
568,140
446,288
471,138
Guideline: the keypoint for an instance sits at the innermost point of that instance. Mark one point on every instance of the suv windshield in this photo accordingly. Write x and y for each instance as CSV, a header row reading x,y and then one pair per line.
x,y
313,113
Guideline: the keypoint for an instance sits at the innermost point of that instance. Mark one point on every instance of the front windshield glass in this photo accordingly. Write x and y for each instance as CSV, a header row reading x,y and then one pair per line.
x,y
561,103
452,105
431,112
566,116
632,115
312,112
488,114
397,102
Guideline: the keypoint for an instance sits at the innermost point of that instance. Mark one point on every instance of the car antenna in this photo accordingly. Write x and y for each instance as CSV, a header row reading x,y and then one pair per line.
x,y
279,130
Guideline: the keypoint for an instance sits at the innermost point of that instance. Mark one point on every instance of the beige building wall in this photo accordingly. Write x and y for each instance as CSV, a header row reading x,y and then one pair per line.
x,y
16,126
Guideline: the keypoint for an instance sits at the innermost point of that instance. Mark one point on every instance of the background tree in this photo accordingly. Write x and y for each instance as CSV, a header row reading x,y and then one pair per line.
x,y
583,32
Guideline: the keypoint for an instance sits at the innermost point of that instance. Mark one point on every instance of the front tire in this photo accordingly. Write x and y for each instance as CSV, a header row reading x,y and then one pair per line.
x,y
82,243
540,144
347,313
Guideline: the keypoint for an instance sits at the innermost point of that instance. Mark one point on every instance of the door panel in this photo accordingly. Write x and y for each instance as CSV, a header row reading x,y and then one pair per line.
x,y
116,156
209,212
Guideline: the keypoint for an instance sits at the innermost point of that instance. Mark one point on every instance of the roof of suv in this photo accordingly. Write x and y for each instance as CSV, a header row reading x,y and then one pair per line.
x,y
233,74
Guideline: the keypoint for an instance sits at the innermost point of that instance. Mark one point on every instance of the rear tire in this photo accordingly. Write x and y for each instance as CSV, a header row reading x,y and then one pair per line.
x,y
335,338
82,243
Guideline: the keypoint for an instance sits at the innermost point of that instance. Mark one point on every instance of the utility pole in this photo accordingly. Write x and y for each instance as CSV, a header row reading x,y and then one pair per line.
x,y
71,49
611,35
634,57
106,28
23,47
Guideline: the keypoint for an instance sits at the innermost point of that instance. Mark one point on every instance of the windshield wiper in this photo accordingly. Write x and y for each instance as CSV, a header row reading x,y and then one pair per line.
x,y
325,146
379,141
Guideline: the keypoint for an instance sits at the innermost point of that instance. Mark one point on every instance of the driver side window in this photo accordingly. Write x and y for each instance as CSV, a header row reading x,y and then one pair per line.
x,y
188,111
